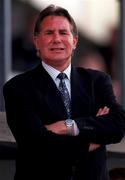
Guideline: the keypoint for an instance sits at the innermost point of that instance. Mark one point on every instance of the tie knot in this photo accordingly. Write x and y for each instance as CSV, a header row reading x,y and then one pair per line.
x,y
62,76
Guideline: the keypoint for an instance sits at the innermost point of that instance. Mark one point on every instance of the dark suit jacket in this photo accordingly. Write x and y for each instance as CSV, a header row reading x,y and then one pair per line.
x,y
32,100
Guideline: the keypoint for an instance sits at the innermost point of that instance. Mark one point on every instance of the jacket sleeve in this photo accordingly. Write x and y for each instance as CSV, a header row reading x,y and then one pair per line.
x,y
104,129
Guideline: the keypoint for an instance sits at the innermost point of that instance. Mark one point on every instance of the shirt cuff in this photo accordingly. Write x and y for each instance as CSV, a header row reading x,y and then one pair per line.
x,y
76,129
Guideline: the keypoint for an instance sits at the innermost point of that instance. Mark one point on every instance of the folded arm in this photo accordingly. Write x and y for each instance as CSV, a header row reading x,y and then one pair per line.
x,y
106,126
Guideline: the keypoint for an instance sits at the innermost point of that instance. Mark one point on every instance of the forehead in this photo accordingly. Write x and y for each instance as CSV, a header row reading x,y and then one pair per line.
x,y
55,22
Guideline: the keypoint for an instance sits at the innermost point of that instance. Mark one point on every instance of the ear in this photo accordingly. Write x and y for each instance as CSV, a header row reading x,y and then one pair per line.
x,y
75,41
36,42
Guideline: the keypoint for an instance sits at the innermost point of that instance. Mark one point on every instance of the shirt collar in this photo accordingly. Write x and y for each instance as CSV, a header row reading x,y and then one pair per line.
x,y
54,72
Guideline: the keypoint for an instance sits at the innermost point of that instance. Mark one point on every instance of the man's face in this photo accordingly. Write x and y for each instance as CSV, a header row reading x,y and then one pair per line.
x,y
55,41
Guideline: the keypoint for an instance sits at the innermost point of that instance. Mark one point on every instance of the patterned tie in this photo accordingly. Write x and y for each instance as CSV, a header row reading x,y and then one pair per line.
x,y
64,92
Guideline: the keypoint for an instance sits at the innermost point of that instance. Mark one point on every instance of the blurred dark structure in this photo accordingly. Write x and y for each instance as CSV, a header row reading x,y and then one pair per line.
x,y
117,173
23,51
121,50
2,69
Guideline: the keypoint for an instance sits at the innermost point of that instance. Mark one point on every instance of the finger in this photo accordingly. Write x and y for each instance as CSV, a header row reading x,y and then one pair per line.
x,y
99,111
105,110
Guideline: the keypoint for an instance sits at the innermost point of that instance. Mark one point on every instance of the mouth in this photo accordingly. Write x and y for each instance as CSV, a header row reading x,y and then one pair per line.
x,y
56,49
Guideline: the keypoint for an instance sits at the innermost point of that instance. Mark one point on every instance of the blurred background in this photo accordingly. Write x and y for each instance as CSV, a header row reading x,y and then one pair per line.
x,y
101,46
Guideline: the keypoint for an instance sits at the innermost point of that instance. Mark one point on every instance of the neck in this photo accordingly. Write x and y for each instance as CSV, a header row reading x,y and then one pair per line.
x,y
61,68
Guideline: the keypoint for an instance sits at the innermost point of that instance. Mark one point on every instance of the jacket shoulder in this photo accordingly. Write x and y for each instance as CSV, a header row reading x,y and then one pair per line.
x,y
91,73
21,79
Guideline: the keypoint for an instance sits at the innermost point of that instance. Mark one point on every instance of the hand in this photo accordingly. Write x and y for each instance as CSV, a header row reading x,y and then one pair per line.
x,y
59,128
101,111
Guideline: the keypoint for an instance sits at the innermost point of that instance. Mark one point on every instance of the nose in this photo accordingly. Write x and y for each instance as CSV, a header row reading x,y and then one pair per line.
x,y
57,37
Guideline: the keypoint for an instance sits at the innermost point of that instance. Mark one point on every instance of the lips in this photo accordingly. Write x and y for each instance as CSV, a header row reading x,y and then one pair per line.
x,y
56,49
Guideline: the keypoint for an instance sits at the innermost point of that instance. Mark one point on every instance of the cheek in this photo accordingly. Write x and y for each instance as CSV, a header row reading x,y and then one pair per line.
x,y
42,42
43,45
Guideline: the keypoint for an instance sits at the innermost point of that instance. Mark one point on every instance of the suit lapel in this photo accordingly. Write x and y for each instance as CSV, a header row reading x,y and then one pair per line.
x,y
80,93
48,90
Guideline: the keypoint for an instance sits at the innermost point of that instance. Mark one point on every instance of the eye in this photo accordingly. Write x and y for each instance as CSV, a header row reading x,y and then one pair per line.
x,y
49,32
64,32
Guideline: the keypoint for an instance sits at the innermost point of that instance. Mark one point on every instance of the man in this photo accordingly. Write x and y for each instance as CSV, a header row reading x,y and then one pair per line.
x,y
61,116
